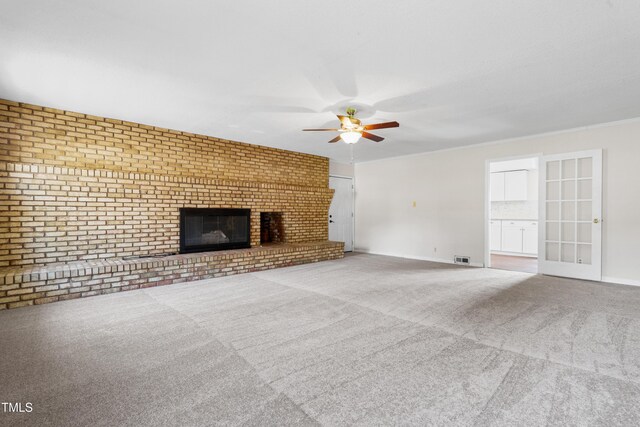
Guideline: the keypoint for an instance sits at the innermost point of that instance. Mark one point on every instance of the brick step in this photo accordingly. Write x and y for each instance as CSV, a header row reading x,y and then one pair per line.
x,y
56,282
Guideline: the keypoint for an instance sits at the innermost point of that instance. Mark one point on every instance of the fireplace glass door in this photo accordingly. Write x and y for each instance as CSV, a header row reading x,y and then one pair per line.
x,y
214,229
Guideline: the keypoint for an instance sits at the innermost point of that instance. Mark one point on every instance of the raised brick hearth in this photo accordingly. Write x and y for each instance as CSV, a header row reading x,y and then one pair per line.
x,y
39,285
80,190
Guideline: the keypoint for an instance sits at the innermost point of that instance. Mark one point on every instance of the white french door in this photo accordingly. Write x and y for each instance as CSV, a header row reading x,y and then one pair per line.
x,y
570,238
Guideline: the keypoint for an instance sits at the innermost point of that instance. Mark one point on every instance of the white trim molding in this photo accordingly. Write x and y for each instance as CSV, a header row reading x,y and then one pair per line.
x,y
419,258
618,281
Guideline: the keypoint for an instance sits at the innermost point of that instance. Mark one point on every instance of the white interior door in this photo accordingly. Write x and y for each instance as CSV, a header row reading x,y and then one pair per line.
x,y
570,239
341,212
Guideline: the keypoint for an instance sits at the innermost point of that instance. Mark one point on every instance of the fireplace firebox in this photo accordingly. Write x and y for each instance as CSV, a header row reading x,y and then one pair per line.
x,y
210,229
271,229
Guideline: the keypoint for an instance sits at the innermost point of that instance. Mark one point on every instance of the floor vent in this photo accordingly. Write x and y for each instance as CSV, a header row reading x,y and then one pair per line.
x,y
461,260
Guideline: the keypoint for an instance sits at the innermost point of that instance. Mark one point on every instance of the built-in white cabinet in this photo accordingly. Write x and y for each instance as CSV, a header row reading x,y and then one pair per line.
x,y
509,186
496,236
511,237
515,185
530,238
518,237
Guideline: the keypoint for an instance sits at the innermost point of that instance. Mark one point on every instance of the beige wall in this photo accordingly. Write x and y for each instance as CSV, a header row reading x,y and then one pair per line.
x,y
341,169
449,190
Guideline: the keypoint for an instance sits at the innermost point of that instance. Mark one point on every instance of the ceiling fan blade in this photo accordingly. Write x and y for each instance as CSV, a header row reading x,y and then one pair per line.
x,y
318,130
382,125
336,139
372,137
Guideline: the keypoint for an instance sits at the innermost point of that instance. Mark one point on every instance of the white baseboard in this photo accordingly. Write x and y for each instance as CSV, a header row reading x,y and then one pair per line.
x,y
420,258
619,281
606,279
520,254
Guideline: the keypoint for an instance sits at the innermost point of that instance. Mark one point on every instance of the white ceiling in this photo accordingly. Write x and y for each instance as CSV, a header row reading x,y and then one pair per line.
x,y
451,72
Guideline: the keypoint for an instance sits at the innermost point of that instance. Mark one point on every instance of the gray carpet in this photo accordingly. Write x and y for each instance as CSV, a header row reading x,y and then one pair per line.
x,y
367,340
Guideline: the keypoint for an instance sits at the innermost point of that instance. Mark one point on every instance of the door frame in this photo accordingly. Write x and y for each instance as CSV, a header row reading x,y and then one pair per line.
x,y
487,195
353,207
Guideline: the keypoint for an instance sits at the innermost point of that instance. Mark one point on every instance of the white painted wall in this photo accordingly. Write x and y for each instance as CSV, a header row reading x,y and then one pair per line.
x,y
340,169
449,189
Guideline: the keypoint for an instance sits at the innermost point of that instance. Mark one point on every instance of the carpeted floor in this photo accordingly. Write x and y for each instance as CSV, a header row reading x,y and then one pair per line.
x,y
367,340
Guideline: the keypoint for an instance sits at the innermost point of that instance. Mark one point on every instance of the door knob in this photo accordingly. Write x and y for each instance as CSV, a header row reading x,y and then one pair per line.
x,y
331,221
596,220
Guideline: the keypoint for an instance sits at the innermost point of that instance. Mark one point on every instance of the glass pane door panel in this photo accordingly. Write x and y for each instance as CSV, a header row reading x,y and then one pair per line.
x,y
569,190
584,211
568,252
584,232
552,251
553,231
553,211
585,167
584,254
568,168
568,211
553,190
584,189
568,231
553,170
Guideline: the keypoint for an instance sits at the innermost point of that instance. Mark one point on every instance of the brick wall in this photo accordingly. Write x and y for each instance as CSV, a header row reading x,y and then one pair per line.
x,y
79,187
32,134
25,286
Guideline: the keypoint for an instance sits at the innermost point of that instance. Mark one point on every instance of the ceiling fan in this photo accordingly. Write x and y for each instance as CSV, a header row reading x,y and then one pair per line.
x,y
351,129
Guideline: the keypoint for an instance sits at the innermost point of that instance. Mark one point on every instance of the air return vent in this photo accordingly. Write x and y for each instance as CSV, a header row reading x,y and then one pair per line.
x,y
461,259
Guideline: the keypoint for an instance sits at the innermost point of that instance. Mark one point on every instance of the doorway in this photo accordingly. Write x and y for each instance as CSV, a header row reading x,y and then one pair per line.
x,y
569,209
513,214
341,211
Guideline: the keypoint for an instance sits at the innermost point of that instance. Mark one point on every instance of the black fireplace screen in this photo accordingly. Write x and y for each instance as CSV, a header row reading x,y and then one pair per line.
x,y
214,229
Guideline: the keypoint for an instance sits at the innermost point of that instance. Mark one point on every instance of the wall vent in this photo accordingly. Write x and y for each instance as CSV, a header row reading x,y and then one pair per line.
x,y
461,259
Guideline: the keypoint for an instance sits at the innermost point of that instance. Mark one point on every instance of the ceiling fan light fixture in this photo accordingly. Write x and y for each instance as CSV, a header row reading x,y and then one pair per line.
x,y
350,137
352,129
